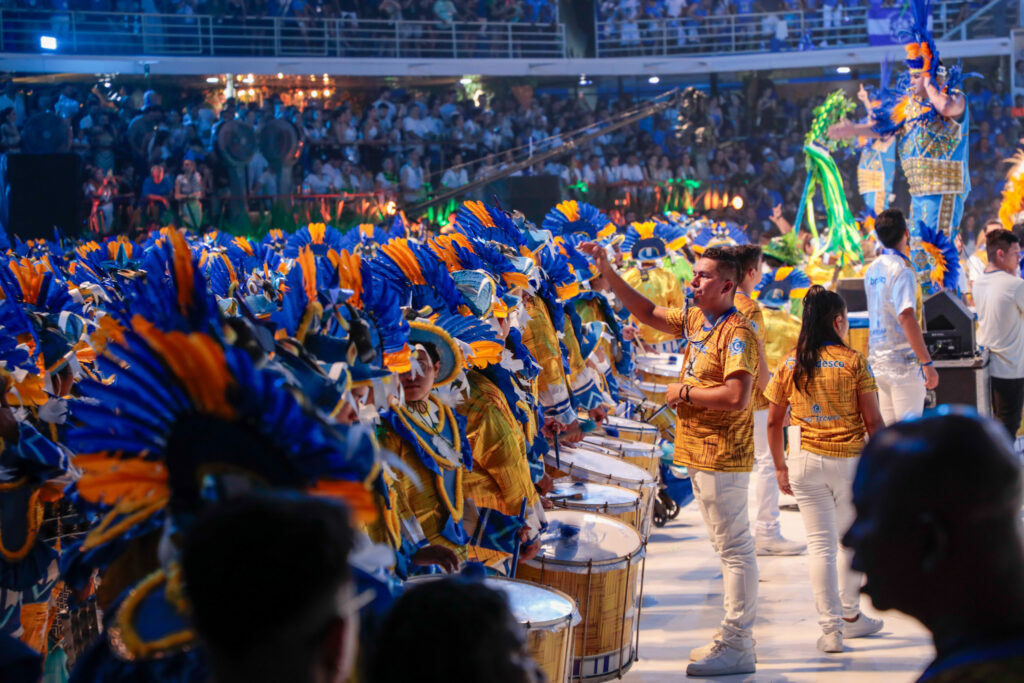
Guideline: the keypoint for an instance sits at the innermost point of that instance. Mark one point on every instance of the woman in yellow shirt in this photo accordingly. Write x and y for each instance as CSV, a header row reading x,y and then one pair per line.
x,y
833,403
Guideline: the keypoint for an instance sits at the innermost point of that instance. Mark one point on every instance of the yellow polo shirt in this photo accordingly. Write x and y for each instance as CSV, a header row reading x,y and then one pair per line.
x,y
828,413
752,312
715,440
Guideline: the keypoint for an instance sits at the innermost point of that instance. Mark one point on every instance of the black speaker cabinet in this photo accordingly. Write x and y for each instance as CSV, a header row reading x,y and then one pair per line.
x,y
963,381
534,195
45,193
949,326
852,291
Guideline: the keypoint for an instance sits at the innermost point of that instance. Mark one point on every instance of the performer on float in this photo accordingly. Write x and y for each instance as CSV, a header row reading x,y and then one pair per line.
x,y
654,282
876,167
768,538
928,115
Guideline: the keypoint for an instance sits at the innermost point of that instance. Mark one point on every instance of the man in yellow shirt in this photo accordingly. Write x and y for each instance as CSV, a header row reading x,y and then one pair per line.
x,y
714,435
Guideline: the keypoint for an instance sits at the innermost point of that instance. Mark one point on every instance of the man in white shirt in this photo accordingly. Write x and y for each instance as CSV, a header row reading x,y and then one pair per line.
x,y
631,170
999,300
593,174
317,181
896,350
978,261
455,175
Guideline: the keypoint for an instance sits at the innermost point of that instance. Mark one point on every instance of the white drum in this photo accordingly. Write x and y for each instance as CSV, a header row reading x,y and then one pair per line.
x,y
630,430
662,368
615,501
645,455
582,464
597,560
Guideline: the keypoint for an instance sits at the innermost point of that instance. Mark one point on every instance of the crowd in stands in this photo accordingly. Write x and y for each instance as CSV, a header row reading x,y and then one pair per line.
x,y
441,11
410,145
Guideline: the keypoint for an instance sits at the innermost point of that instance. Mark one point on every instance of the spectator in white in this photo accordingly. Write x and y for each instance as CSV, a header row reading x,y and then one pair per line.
x,y
351,178
444,12
317,181
999,300
414,127
486,167
387,178
67,104
978,261
896,350
412,177
10,136
456,175
384,101
593,174
332,169
613,170
631,171
10,97
188,191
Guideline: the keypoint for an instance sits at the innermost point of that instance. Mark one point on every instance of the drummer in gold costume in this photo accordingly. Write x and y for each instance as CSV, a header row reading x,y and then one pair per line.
x,y
714,436
657,284
768,537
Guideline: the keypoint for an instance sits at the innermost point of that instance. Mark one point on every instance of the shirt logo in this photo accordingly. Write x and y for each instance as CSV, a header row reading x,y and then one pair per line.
x,y
737,346
816,409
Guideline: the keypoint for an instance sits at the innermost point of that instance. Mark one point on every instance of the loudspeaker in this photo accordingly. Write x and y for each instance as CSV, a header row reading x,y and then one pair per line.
x,y
45,193
852,291
949,326
962,382
534,195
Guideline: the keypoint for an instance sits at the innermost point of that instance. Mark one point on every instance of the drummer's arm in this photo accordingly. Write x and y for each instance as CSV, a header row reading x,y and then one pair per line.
x,y
642,308
734,394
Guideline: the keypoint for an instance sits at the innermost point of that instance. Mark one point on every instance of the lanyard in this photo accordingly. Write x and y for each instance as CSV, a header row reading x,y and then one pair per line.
x,y
690,361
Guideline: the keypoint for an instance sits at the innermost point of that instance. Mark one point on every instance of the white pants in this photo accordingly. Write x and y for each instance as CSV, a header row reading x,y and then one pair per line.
x,y
900,395
823,487
722,498
764,483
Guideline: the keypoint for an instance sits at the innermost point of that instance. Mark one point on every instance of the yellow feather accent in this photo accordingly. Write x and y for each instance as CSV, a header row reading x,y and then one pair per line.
x,y
349,274
484,353
398,361
570,209
1013,192
569,291
480,211
354,493
108,480
197,361
607,230
183,272
307,263
398,251
516,279
244,245
366,229
645,229
938,273
317,231
677,244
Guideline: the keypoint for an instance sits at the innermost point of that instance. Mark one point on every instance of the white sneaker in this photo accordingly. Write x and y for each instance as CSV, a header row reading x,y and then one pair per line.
x,y
778,545
831,642
723,660
699,653
863,626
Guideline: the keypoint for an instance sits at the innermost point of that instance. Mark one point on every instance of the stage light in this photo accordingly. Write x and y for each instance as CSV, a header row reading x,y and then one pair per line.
x,y
583,80
298,94
327,93
248,79
280,75
314,93
654,80
391,208
737,202
213,79
48,42
842,69
252,93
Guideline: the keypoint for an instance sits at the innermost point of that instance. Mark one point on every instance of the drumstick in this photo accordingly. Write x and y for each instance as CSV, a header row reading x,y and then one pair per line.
x,y
558,457
565,496
519,542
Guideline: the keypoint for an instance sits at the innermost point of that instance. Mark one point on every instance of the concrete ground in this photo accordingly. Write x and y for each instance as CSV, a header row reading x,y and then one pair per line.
x,y
682,607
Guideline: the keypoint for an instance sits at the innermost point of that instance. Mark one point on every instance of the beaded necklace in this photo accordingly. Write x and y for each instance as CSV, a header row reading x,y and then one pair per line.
x,y
417,428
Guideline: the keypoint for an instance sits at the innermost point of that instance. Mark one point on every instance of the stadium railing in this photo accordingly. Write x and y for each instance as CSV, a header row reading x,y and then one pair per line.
x,y
752,33
115,33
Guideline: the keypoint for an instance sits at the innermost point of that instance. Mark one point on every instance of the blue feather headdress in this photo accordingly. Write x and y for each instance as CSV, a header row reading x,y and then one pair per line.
x,y
317,236
578,221
489,224
726,234
941,255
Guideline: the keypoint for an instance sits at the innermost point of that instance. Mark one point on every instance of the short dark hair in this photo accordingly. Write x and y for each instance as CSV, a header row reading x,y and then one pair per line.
x,y
747,256
999,239
238,548
890,226
726,262
469,613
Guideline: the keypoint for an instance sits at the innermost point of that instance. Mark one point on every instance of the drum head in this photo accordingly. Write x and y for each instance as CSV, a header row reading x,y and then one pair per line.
x,y
575,537
627,447
617,422
533,604
594,494
603,466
